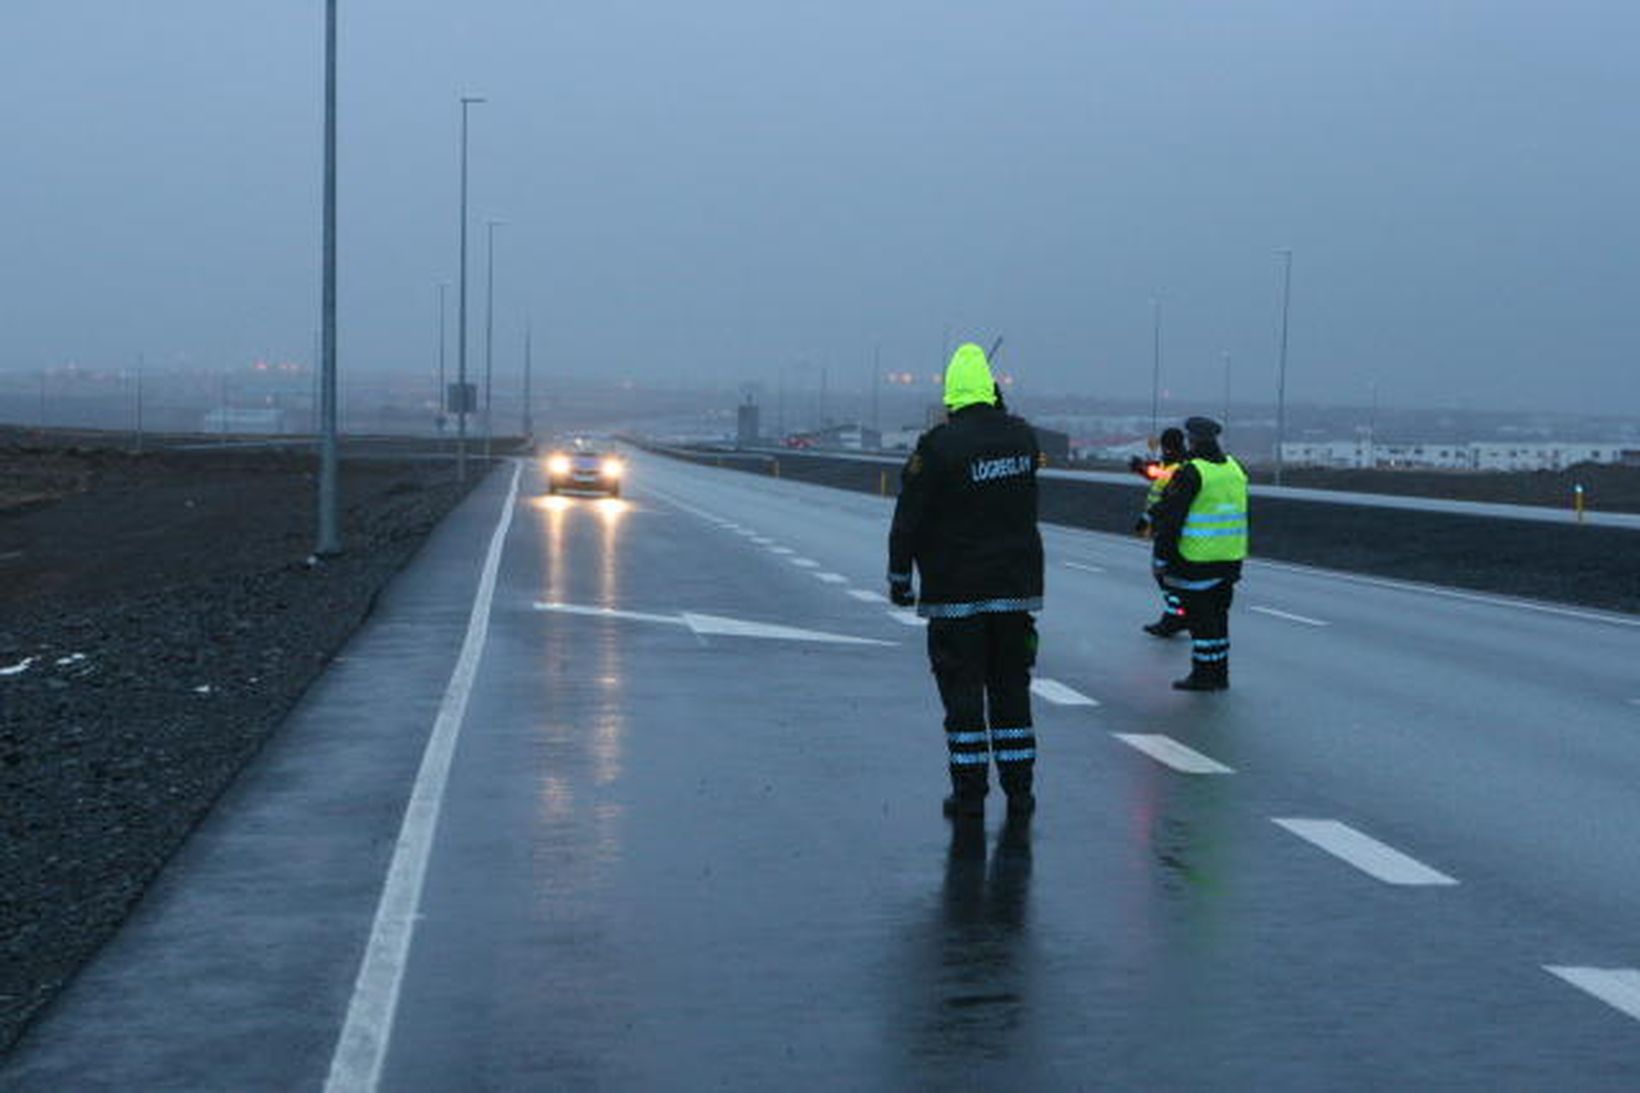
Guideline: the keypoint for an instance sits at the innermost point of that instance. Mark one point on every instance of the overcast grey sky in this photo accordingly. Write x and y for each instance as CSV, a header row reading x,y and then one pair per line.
x,y
724,187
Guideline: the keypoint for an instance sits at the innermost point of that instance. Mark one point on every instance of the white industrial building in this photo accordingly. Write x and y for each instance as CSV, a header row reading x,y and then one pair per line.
x,y
1487,456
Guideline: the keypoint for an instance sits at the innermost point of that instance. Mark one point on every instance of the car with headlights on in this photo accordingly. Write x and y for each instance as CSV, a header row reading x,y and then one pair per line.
x,y
585,465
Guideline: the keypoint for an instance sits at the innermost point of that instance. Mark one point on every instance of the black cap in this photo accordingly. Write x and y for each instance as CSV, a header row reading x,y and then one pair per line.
x,y
1202,428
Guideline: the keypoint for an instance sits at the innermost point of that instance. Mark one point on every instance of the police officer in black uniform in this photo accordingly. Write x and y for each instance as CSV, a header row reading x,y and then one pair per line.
x,y
966,520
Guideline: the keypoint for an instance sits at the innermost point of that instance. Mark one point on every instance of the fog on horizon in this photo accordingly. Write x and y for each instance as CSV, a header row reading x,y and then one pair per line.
x,y
733,190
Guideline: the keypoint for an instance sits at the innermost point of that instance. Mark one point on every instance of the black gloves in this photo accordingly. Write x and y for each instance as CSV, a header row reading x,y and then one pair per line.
x,y
900,593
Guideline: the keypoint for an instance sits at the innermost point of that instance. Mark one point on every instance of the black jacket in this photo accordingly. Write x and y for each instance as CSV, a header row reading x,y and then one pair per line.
x,y
1168,516
966,517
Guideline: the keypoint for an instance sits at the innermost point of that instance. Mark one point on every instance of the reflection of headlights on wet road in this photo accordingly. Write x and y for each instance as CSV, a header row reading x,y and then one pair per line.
x,y
613,468
553,503
611,508
558,464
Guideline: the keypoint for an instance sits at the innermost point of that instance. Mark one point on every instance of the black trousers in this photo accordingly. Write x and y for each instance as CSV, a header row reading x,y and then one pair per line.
x,y
1172,604
1207,614
983,667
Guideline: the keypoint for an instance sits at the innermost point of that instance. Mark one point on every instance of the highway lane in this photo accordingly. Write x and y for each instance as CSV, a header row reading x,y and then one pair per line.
x,y
1146,905
678,848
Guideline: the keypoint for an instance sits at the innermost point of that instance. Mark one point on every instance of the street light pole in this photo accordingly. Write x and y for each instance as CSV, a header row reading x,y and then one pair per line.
x,y
489,326
1281,369
142,362
1225,424
529,419
461,306
443,401
329,538
1156,368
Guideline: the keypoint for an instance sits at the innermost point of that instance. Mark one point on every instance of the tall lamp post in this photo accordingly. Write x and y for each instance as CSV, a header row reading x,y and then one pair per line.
x,y
1225,424
329,538
1286,255
1155,367
489,325
443,396
461,306
529,419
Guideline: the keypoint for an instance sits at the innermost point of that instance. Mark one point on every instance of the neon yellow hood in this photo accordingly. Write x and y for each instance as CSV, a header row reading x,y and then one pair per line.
x,y
968,378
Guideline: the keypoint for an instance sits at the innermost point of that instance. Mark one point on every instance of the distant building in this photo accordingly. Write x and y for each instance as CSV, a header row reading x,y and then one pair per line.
x,y
1480,456
848,438
747,429
899,440
1055,445
261,421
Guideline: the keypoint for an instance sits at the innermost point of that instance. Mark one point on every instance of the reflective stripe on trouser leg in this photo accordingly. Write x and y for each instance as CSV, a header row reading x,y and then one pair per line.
x,y
970,752
1015,751
1172,605
1210,650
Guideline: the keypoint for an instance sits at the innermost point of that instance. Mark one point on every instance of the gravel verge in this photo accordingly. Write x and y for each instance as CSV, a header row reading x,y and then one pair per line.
x,y
159,617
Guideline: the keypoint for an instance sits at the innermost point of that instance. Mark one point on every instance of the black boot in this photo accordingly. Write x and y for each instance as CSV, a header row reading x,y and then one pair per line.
x,y
968,789
1164,627
1205,677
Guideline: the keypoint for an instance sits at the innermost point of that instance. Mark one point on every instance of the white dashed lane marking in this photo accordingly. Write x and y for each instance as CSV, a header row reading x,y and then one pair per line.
x,y
831,578
1273,613
906,618
1085,568
1619,988
1364,852
865,596
781,550
1165,749
1052,690
804,563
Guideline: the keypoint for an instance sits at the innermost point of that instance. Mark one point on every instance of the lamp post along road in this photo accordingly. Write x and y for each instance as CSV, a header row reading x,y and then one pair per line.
x,y
1281,368
489,327
529,419
461,307
1225,424
329,537
443,391
1155,368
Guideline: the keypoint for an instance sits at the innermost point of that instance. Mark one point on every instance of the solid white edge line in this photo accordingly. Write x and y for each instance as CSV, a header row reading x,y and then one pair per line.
x,y
361,1049
1166,750
1273,613
1619,988
1051,690
1366,853
1447,593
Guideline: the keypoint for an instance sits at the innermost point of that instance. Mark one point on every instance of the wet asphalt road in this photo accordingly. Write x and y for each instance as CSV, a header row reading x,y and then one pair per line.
x,y
677,852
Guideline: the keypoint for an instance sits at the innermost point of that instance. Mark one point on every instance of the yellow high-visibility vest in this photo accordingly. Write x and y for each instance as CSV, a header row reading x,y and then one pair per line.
x,y
1215,529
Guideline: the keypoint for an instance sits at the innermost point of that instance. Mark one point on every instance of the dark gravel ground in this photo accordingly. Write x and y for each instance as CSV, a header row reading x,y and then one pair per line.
x,y
159,617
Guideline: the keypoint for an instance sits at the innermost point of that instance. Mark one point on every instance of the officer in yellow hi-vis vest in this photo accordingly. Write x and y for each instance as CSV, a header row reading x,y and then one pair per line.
x,y
1199,543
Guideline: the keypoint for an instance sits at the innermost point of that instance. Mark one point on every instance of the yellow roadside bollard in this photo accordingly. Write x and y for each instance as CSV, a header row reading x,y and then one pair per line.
x,y
1577,502
776,464
882,484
